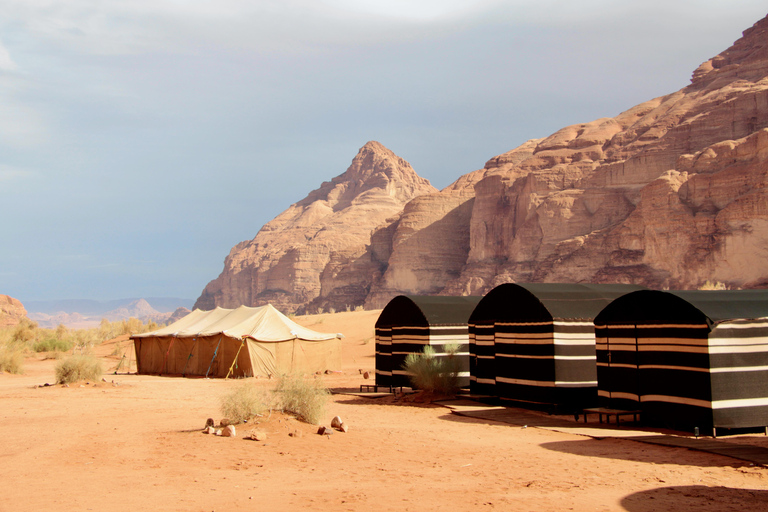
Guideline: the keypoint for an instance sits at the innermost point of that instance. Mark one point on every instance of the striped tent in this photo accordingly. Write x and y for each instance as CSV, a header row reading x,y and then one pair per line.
x,y
686,359
408,323
535,343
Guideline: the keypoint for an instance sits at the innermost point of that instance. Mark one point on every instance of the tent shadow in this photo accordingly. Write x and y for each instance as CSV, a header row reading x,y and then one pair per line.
x,y
696,497
625,449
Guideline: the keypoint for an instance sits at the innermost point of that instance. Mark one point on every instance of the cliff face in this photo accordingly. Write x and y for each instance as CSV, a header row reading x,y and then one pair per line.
x,y
671,193
315,254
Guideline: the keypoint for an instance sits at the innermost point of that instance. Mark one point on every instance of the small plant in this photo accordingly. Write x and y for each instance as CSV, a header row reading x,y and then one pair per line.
x,y
52,345
244,403
306,398
713,285
331,310
11,360
78,367
359,308
434,374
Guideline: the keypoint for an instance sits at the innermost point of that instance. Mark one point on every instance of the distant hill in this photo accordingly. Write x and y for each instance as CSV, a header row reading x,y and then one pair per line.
x,y
82,314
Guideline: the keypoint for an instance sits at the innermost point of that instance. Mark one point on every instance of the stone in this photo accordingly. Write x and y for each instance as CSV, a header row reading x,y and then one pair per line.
x,y
256,435
343,427
325,431
336,422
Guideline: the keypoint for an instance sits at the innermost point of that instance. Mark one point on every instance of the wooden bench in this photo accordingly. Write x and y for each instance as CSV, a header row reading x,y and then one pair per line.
x,y
617,413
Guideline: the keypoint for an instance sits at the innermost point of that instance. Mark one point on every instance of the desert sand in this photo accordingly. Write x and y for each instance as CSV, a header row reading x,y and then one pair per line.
x,y
137,444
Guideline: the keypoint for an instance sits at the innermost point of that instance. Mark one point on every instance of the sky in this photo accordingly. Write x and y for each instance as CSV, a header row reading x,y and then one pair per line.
x,y
141,140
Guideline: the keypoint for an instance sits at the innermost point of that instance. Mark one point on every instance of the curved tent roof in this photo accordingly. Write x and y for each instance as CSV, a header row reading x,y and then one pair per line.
x,y
427,310
686,307
542,302
263,323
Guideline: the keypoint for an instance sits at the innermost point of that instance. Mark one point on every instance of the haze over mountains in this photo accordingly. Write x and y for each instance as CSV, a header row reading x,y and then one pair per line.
x,y
89,313
669,194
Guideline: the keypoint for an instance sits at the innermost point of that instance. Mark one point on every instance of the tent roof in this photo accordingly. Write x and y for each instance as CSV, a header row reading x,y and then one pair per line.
x,y
264,323
532,302
427,310
686,306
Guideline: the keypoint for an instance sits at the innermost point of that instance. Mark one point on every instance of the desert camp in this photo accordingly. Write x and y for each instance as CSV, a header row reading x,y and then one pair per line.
x,y
242,342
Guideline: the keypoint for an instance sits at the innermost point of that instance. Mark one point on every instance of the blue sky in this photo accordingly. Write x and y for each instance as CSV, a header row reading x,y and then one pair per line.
x,y
140,140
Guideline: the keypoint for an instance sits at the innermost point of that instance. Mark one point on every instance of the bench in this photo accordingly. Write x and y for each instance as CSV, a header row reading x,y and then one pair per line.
x,y
617,413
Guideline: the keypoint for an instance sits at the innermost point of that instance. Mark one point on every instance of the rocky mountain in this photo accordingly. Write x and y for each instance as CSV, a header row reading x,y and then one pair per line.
x,y
669,194
93,313
315,253
11,311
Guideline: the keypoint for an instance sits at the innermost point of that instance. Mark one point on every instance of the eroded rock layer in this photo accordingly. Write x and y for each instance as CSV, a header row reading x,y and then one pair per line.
x,y
671,193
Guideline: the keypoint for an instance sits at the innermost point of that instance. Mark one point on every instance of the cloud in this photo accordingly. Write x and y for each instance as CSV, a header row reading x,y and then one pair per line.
x,y
6,62
9,173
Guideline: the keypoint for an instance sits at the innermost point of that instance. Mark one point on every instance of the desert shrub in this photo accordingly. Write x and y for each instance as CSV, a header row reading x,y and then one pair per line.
x,y
78,367
52,345
713,285
26,331
244,403
431,373
11,360
305,398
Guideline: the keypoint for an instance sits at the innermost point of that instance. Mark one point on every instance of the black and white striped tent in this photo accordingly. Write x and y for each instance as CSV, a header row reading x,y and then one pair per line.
x,y
686,359
408,323
535,342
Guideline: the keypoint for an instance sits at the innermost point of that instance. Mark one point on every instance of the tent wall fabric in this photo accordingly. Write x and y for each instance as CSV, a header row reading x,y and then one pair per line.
x,y
408,323
535,343
249,341
686,359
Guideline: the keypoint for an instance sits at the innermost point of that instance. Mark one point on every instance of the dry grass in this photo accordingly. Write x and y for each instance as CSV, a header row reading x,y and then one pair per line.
x,y
77,368
11,360
244,403
306,398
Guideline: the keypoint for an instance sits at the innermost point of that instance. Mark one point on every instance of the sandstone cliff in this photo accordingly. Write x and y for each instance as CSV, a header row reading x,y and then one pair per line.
x,y
315,254
11,311
669,194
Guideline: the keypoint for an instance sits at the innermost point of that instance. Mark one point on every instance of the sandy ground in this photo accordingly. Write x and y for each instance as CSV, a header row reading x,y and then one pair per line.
x,y
137,445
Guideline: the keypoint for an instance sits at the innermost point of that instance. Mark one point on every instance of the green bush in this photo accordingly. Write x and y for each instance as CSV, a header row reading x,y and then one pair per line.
x,y
52,345
431,373
305,398
78,367
244,403
11,360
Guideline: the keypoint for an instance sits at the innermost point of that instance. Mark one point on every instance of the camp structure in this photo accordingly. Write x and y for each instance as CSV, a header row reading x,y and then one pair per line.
x,y
242,342
535,343
408,323
686,359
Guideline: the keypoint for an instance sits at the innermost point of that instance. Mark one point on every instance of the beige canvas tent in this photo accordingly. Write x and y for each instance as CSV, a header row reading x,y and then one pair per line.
x,y
242,342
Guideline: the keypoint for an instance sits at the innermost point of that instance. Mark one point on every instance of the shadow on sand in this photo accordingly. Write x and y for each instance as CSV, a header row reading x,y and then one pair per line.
x,y
696,497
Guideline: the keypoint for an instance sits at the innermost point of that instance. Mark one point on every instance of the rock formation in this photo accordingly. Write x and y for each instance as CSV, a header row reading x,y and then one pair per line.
x,y
315,254
11,311
668,194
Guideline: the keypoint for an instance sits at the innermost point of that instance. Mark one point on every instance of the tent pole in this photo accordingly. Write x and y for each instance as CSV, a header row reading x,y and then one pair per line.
x,y
235,361
214,357
165,360
184,371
